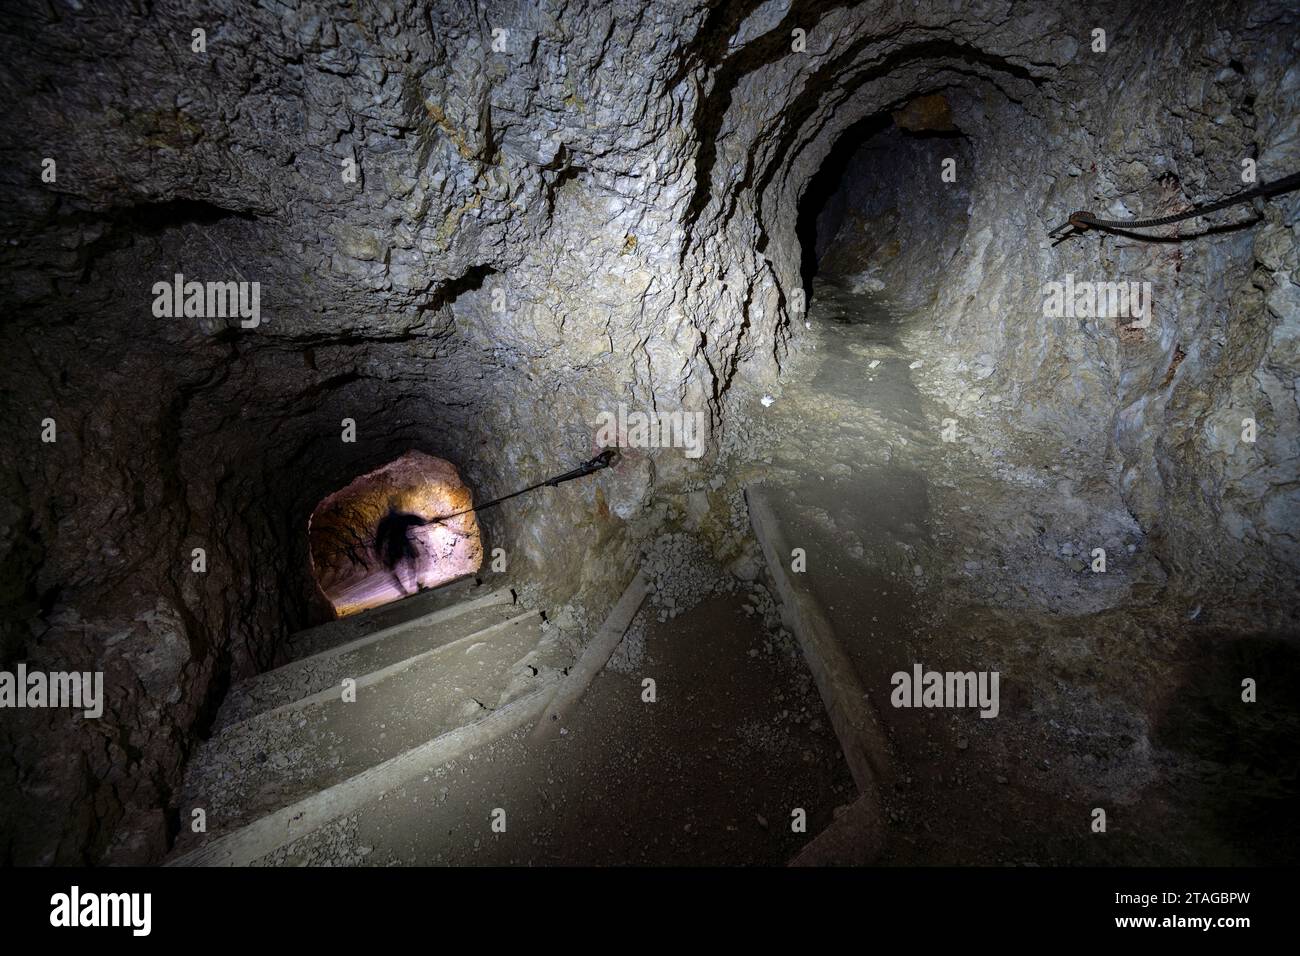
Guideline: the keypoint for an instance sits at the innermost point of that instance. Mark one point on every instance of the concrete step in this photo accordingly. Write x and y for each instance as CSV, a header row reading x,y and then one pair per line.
x,y
361,655
308,751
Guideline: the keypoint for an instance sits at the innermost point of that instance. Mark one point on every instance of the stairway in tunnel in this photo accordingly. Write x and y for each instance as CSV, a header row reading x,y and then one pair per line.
x,y
434,740
319,737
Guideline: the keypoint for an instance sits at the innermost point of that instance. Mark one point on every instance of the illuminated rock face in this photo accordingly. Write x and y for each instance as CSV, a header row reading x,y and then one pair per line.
x,y
478,251
352,554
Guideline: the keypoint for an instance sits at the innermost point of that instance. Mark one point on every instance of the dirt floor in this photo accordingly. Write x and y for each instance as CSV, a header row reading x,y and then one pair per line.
x,y
711,772
937,552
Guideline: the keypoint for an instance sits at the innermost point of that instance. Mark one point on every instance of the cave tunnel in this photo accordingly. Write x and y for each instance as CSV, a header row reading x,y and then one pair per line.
x,y
873,415
395,531
873,200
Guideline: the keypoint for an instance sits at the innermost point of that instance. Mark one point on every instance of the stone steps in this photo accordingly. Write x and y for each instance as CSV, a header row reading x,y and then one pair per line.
x,y
361,655
322,637
293,754
264,836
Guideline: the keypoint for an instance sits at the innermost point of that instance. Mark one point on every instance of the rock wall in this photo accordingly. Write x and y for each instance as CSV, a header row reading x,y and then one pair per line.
x,y
433,301
1160,120
478,226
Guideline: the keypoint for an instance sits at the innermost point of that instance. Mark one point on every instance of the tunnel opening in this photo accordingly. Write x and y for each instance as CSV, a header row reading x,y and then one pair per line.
x,y
405,527
889,205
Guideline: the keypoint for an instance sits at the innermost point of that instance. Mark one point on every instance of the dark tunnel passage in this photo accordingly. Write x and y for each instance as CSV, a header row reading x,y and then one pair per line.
x,y
392,532
873,203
